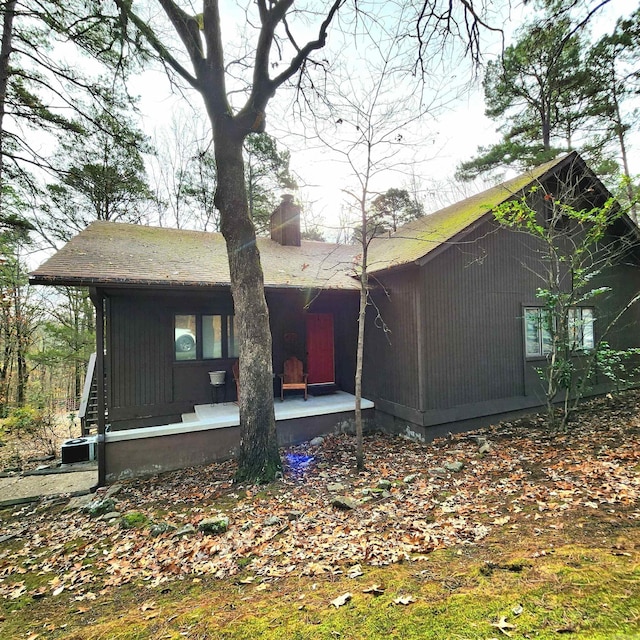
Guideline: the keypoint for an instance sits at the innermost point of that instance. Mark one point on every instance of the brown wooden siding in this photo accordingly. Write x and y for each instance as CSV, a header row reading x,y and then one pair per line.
x,y
392,359
138,367
457,330
472,305
147,387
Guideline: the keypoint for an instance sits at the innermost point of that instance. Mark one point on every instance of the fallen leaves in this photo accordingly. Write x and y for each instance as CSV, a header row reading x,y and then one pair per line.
x,y
340,601
503,626
404,600
374,590
291,528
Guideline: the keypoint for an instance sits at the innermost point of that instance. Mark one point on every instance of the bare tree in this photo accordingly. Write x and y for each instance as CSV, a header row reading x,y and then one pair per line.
x,y
236,79
374,135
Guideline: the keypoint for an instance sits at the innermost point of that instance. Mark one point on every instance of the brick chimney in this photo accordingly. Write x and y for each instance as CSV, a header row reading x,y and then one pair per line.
x,y
285,223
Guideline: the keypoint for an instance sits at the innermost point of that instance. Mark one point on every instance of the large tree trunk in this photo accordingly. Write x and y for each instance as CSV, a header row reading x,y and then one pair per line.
x,y
5,51
258,458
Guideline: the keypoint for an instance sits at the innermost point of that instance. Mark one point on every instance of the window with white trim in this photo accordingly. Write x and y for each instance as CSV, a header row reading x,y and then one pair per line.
x,y
538,334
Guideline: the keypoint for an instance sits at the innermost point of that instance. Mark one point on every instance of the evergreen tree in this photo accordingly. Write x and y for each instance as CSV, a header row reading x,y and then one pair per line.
x,y
537,92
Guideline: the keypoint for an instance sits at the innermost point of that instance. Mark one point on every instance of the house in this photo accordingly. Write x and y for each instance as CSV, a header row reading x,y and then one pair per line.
x,y
450,287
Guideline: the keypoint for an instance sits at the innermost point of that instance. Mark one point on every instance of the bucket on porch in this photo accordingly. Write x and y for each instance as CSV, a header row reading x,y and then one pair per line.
x,y
217,378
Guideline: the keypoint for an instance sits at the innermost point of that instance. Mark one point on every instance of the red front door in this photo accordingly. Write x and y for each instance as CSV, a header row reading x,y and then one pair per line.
x,y
320,363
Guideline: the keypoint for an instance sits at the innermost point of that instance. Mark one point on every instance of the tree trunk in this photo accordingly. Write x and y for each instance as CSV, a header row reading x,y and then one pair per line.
x,y
5,52
359,362
259,459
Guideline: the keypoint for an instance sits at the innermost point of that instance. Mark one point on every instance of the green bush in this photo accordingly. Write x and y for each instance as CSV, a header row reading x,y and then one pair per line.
x,y
24,420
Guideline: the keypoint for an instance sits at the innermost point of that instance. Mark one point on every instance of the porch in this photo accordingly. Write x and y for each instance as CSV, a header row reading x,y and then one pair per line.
x,y
211,433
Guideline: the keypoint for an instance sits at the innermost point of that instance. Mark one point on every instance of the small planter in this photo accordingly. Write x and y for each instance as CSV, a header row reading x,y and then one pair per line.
x,y
217,378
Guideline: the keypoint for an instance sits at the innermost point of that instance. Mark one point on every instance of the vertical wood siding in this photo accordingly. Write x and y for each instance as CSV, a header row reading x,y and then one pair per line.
x,y
140,373
472,305
392,358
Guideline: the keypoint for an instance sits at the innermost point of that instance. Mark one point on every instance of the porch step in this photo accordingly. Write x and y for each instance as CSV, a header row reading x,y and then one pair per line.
x,y
190,417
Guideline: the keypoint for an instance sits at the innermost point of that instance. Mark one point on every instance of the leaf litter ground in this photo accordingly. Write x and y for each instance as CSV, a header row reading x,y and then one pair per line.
x,y
529,495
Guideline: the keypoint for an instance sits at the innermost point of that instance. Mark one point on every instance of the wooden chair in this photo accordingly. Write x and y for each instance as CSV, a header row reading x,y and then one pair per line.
x,y
293,377
236,376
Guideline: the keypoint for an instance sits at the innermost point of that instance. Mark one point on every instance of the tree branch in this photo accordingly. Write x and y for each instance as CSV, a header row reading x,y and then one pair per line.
x,y
150,36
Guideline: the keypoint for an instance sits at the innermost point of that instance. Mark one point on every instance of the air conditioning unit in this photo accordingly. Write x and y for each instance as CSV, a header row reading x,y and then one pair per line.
x,y
79,450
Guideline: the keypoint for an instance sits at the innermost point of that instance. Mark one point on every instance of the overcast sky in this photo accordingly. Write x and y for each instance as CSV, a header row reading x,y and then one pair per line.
x,y
436,144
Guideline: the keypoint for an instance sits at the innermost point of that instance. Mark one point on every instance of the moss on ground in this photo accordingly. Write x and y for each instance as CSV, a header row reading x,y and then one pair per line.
x,y
583,592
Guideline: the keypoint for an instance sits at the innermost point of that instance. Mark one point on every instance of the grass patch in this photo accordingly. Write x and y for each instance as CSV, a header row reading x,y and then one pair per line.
x,y
451,598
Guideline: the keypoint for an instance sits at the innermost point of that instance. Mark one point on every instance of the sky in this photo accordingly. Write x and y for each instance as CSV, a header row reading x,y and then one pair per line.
x,y
450,131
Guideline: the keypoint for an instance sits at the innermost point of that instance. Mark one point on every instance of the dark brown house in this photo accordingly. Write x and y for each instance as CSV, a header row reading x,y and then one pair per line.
x,y
451,287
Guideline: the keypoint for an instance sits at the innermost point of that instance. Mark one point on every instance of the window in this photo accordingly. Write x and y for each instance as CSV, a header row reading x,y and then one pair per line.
x,y
204,337
581,328
538,334
185,337
537,331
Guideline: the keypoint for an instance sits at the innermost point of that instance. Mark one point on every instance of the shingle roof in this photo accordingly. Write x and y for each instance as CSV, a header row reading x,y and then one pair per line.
x,y
108,253
420,237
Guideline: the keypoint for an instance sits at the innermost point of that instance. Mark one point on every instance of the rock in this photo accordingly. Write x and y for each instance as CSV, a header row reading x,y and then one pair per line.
x,y
335,487
214,525
344,503
186,530
48,458
438,472
384,484
410,478
485,448
98,508
161,527
273,521
113,490
479,440
294,515
79,502
112,515
316,442
456,467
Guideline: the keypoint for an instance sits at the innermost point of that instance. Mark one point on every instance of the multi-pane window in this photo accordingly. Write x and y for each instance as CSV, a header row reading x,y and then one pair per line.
x,y
581,328
205,337
537,325
538,334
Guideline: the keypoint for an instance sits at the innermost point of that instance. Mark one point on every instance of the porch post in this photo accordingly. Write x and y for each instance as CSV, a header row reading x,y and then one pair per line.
x,y
98,302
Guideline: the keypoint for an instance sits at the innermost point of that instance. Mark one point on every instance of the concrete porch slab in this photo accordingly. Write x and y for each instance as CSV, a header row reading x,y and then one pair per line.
x,y
225,414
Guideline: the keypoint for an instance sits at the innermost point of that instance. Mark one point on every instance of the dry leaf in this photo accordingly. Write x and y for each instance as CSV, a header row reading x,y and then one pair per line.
x,y
58,590
374,589
502,625
148,605
355,571
404,600
341,600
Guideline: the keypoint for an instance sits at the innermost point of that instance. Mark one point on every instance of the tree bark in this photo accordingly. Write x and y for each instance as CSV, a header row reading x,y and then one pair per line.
x,y
5,51
258,458
359,363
